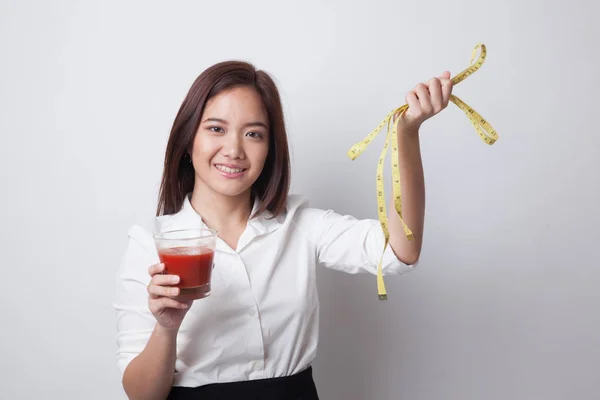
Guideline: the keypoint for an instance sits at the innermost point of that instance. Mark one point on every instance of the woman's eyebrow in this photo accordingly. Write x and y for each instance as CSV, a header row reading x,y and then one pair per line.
x,y
257,123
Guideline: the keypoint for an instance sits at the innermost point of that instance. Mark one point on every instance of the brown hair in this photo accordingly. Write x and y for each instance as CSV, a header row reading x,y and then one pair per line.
x,y
272,185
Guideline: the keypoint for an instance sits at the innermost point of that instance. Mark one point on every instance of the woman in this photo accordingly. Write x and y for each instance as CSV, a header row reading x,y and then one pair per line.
x,y
227,168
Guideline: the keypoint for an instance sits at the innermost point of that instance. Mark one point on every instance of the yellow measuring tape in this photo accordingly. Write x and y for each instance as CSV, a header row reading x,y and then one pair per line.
x,y
483,128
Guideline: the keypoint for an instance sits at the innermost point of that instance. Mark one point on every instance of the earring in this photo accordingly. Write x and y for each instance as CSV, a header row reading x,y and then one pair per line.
x,y
187,158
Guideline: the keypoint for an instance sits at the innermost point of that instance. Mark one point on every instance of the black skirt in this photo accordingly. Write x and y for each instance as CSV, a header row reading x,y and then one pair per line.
x,y
300,386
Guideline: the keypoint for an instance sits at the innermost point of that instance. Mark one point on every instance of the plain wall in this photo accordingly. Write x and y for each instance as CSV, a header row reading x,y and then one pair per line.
x,y
504,303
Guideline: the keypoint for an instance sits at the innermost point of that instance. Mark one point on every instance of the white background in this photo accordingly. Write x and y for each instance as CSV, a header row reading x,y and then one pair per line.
x,y
504,304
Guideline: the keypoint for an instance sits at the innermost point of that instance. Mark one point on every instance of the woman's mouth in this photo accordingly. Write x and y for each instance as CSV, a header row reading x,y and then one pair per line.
x,y
230,171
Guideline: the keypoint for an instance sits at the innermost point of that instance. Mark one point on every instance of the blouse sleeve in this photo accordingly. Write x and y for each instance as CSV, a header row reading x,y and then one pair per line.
x,y
354,245
134,321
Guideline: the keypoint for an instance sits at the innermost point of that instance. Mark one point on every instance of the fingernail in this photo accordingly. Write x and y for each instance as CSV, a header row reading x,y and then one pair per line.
x,y
174,279
174,291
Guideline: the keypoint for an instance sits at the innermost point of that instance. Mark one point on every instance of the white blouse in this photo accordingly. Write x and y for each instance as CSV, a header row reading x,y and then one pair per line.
x,y
262,318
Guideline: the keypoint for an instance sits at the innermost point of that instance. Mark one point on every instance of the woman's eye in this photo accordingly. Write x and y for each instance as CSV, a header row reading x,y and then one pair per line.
x,y
254,135
215,129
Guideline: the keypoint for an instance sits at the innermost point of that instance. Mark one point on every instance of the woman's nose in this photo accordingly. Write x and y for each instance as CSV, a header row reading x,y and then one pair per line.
x,y
233,146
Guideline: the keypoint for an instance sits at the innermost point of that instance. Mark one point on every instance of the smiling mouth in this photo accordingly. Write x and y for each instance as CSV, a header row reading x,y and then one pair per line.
x,y
229,170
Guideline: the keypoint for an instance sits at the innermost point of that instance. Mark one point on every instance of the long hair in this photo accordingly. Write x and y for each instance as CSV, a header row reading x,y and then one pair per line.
x,y
272,186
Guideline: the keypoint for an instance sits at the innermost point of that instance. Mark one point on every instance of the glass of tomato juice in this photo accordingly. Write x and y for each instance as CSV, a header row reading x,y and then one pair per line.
x,y
189,254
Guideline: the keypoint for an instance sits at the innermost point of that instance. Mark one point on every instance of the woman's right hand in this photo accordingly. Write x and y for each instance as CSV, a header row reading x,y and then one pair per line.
x,y
169,313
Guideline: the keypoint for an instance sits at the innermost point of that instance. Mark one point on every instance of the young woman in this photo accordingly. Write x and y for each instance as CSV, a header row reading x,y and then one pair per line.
x,y
227,168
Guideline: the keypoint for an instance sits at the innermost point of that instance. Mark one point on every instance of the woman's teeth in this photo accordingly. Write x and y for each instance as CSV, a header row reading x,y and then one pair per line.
x,y
229,170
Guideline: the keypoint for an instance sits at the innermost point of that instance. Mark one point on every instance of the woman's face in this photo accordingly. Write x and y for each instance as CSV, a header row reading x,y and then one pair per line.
x,y
232,141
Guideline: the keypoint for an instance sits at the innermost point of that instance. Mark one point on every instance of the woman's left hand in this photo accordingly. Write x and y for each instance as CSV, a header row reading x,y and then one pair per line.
x,y
424,101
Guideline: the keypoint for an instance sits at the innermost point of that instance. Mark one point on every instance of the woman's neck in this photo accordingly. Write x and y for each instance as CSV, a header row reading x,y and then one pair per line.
x,y
223,213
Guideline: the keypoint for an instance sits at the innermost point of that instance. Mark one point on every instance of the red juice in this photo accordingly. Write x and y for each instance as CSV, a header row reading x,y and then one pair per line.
x,y
194,267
